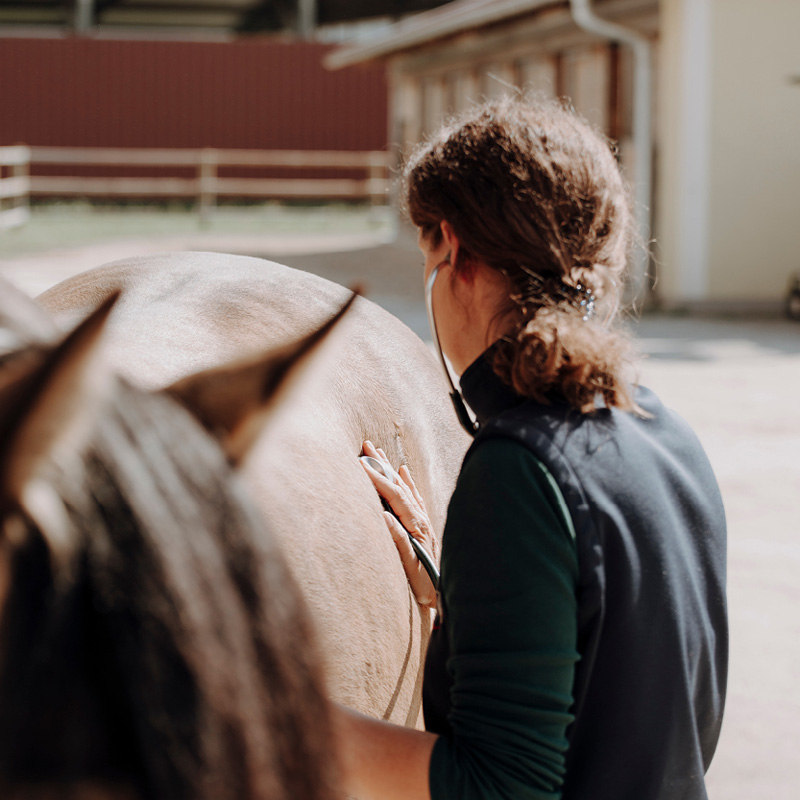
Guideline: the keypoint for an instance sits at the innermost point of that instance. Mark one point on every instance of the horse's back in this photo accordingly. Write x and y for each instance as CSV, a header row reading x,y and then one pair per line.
x,y
199,309
183,312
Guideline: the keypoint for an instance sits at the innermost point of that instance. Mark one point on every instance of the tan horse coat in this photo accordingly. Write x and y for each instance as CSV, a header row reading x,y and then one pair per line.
x,y
180,313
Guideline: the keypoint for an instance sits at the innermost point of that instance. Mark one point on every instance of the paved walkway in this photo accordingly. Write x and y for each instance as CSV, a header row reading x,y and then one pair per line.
x,y
737,383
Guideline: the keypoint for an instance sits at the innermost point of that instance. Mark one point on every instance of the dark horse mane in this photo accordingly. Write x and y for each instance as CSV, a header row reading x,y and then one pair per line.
x,y
152,640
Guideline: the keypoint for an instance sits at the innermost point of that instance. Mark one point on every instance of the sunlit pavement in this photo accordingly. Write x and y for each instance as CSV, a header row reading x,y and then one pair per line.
x,y
736,382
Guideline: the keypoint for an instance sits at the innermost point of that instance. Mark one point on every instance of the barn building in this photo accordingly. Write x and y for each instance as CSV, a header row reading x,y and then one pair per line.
x,y
722,107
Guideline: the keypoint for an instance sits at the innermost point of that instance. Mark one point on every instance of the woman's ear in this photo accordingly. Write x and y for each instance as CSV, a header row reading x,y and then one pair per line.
x,y
464,267
450,239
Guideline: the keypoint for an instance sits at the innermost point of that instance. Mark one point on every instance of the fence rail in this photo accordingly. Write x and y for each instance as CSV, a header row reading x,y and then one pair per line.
x,y
14,186
206,185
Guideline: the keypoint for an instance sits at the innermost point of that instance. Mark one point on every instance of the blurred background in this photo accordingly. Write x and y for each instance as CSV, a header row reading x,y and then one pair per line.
x,y
275,128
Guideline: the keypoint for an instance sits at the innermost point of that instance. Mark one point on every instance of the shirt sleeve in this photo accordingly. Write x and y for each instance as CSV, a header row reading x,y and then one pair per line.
x,y
509,576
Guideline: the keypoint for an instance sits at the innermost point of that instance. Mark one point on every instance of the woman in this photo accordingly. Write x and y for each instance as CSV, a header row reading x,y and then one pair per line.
x,y
581,643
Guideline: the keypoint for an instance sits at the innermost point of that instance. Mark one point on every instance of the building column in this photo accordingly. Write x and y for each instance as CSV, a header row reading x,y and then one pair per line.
x,y
684,141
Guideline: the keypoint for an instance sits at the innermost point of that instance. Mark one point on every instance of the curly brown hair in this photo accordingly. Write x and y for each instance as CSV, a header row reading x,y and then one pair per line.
x,y
534,192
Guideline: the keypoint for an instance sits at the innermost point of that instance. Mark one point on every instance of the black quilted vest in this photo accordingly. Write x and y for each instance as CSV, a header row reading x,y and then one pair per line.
x,y
652,630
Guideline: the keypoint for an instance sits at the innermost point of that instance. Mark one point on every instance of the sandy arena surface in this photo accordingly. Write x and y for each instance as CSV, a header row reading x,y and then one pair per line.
x,y
736,382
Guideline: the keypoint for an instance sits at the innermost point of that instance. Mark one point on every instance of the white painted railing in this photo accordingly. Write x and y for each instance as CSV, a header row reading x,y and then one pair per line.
x,y
14,186
206,185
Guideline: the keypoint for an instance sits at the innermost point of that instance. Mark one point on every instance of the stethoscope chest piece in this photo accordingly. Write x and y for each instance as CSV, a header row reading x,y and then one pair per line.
x,y
379,466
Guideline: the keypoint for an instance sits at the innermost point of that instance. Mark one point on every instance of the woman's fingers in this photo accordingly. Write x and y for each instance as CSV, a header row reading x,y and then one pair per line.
x,y
418,578
405,474
400,498
409,519
404,505
370,449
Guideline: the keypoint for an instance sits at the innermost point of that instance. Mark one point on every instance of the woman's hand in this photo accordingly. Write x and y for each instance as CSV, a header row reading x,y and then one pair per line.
x,y
409,508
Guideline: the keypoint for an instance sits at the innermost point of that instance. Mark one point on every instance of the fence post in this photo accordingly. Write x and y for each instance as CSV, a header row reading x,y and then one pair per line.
x,y
14,189
207,185
22,170
375,175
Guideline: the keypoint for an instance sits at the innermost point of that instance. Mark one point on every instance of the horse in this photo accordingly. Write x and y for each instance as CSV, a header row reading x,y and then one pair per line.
x,y
193,324
153,642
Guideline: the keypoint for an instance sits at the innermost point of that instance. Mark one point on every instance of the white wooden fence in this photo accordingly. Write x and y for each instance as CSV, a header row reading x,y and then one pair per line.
x,y
205,184
14,186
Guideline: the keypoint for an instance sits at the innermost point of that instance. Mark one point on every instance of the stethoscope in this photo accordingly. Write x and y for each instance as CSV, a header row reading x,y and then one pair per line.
x,y
426,561
470,425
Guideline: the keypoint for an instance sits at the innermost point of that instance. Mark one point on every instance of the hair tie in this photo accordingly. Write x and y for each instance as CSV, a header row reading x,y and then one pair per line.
x,y
586,304
580,297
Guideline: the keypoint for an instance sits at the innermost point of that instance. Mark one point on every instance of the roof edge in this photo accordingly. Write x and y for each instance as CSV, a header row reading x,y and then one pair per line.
x,y
437,23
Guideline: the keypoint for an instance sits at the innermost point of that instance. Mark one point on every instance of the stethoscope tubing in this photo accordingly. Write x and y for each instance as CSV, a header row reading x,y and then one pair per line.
x,y
467,423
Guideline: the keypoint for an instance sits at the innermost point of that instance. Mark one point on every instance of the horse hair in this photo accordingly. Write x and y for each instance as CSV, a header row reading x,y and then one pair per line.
x,y
170,652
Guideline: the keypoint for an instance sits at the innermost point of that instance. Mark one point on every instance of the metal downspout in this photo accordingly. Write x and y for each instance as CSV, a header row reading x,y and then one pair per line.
x,y
585,18
84,16
306,18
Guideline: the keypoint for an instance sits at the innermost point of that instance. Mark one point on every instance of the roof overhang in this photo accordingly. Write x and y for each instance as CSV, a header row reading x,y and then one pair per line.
x,y
440,23
93,17
454,19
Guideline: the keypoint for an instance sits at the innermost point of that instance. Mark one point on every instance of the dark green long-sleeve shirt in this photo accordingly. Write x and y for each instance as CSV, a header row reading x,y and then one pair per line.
x,y
509,575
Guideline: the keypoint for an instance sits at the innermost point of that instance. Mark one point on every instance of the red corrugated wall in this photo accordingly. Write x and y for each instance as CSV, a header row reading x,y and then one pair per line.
x,y
252,93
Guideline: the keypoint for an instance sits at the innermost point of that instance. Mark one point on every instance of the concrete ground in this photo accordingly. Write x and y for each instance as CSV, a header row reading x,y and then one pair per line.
x,y
738,384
